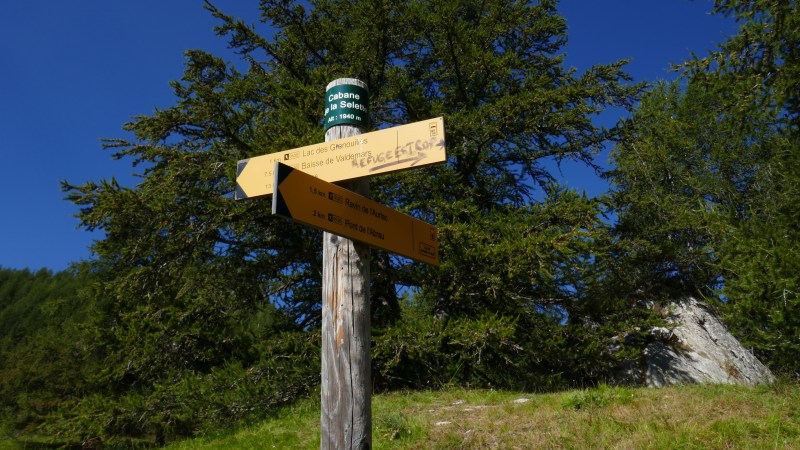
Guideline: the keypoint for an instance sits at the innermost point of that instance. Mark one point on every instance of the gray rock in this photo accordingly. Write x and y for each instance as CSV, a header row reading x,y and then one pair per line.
x,y
695,348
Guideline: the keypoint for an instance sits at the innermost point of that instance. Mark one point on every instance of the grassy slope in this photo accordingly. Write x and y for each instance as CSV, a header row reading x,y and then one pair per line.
x,y
679,417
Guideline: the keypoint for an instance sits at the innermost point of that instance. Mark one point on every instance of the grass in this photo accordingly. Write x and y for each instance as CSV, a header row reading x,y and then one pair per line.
x,y
691,417
707,417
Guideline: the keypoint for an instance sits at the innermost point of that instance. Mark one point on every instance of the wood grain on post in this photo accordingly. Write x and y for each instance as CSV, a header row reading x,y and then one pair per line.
x,y
346,419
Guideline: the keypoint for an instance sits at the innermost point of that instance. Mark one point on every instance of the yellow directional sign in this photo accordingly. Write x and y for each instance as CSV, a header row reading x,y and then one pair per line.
x,y
403,147
315,202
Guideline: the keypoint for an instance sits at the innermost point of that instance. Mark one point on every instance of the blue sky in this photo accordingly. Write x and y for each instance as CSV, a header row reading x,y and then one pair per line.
x,y
75,72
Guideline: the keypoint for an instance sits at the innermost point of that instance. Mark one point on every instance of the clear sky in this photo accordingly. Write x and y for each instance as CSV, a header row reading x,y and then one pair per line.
x,y
72,73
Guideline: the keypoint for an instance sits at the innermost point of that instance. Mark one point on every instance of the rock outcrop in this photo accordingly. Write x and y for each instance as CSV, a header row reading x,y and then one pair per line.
x,y
695,347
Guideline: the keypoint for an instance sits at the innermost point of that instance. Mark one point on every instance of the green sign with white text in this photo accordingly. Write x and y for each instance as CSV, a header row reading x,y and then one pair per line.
x,y
347,104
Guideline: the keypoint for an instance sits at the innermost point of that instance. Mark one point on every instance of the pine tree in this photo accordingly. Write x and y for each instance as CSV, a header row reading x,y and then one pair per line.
x,y
184,266
706,185
760,67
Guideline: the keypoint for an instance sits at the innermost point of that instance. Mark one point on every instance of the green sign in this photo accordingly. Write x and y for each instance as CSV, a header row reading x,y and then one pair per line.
x,y
347,104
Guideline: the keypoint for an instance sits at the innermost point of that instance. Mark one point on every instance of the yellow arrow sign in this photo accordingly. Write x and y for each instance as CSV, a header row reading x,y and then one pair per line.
x,y
311,201
403,147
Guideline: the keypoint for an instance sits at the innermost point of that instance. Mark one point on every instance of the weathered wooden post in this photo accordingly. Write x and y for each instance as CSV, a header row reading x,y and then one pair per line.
x,y
346,418
312,199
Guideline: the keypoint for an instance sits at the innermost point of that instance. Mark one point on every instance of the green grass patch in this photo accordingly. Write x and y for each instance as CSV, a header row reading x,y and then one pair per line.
x,y
292,427
603,395
708,417
604,417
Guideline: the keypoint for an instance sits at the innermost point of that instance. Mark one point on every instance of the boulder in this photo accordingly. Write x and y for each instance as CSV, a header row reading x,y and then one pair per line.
x,y
695,347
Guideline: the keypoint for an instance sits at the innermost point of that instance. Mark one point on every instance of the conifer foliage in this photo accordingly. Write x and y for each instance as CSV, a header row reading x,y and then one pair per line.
x,y
204,309
707,184
199,311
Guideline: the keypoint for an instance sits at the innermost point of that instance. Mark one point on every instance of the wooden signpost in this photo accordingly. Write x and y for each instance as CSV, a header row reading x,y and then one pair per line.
x,y
346,384
300,182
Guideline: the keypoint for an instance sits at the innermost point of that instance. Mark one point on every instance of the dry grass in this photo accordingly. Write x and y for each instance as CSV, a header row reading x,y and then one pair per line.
x,y
687,417
704,417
